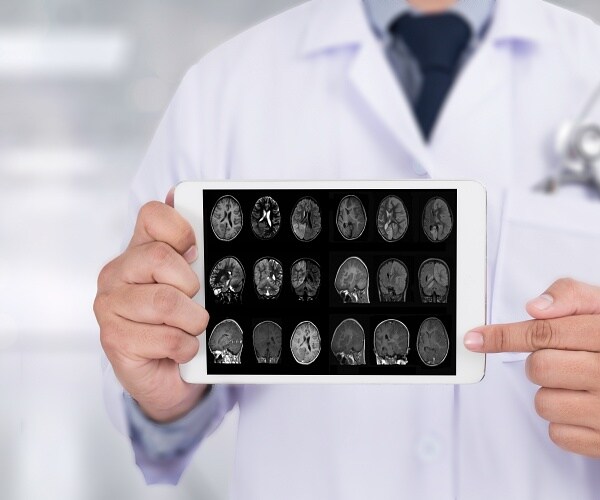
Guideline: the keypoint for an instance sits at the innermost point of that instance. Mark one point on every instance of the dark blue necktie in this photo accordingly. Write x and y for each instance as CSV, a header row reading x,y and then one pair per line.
x,y
437,42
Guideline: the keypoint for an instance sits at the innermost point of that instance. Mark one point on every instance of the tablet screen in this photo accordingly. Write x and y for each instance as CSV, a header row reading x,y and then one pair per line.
x,y
330,282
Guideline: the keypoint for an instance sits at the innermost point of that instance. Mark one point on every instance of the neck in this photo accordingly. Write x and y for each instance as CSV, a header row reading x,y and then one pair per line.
x,y
432,5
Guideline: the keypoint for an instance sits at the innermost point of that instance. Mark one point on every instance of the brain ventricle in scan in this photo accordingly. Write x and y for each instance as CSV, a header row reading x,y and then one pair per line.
x,y
434,281
227,281
226,218
437,219
392,281
392,219
348,343
305,343
391,339
268,278
306,219
306,279
226,342
432,342
268,341
351,217
352,281
265,218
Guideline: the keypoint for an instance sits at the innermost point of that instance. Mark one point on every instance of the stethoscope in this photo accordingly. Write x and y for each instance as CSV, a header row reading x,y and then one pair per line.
x,y
577,146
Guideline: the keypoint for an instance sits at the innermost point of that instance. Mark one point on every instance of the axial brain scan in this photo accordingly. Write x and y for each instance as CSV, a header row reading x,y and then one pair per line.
x,y
352,281
305,343
392,281
437,219
226,342
351,217
265,218
227,281
348,343
432,342
434,281
267,340
392,219
268,278
226,218
306,279
306,219
391,342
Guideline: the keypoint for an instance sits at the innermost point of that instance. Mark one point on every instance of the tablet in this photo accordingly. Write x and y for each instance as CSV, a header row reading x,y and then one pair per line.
x,y
337,281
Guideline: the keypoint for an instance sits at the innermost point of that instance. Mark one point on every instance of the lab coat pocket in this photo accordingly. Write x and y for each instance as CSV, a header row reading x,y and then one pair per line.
x,y
544,237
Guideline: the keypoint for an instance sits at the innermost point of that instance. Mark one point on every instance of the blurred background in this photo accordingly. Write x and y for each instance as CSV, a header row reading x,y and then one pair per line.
x,y
83,85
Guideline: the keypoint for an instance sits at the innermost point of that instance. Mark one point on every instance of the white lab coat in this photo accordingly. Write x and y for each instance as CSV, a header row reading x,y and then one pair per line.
x,y
310,95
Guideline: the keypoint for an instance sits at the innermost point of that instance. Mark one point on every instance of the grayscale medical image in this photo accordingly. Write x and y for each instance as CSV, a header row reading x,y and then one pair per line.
x,y
267,339
392,281
437,219
352,281
226,342
348,343
434,281
227,280
305,343
306,219
226,218
268,278
305,277
265,218
432,342
351,217
391,340
392,218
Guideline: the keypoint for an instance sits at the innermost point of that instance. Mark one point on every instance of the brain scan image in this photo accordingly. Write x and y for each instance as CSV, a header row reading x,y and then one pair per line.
x,y
306,219
391,342
352,281
437,220
306,279
268,278
392,281
351,217
268,340
348,343
305,343
392,219
226,218
434,281
265,218
227,281
432,342
226,342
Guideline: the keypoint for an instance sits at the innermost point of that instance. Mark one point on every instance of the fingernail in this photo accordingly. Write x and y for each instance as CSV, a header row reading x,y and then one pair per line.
x,y
542,302
191,255
473,341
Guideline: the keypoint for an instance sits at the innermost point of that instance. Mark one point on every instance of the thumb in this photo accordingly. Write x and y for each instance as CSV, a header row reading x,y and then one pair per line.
x,y
565,297
170,199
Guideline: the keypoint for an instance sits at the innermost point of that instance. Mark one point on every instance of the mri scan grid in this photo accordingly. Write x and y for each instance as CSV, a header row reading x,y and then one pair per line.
x,y
332,282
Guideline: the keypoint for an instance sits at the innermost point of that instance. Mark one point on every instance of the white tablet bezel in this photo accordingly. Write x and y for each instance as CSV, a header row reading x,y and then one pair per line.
x,y
470,280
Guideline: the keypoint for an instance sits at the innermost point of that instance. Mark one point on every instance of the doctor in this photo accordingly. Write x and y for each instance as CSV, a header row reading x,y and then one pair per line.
x,y
473,89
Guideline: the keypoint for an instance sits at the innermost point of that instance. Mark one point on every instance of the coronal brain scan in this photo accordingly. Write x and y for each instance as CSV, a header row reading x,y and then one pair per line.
x,y
351,217
305,278
437,219
306,219
268,341
391,339
352,281
305,343
392,218
434,281
432,342
268,278
226,342
348,343
226,218
265,218
227,281
392,281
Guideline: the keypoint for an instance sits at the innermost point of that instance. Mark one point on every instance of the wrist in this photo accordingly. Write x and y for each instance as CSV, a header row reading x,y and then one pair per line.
x,y
165,415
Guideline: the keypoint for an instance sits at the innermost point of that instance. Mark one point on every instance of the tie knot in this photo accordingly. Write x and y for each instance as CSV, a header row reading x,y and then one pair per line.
x,y
437,41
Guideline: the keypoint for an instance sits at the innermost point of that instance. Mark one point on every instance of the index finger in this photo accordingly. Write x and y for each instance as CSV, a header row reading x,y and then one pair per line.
x,y
574,333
